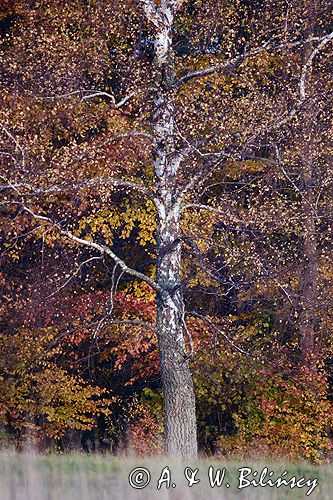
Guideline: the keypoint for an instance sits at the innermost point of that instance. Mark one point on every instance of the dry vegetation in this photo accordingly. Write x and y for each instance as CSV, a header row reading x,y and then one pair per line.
x,y
30,476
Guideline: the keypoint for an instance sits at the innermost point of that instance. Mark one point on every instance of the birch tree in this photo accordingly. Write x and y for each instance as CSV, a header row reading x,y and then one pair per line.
x,y
189,140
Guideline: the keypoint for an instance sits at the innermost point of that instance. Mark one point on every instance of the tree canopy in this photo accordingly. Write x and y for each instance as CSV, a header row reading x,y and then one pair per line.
x,y
166,224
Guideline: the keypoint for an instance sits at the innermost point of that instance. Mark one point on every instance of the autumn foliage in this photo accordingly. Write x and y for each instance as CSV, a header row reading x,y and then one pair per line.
x,y
78,335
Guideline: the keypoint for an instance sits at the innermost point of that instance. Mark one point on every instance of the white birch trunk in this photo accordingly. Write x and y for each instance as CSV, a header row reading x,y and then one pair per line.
x,y
179,400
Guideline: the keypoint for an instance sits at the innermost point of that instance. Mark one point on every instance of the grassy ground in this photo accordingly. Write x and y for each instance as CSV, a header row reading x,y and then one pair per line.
x,y
97,477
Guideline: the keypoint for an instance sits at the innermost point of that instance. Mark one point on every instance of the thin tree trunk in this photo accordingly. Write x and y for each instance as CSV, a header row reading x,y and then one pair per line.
x,y
308,283
179,399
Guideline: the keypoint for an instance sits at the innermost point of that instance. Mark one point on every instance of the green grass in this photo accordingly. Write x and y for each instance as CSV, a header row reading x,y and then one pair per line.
x,y
31,476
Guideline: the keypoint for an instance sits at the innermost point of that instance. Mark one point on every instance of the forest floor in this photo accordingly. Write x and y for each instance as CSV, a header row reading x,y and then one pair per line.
x,y
29,476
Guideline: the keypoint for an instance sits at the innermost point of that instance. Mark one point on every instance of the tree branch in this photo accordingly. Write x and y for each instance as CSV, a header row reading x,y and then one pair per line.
x,y
89,94
131,323
199,178
296,188
60,188
235,346
17,144
116,105
99,93
117,137
308,64
232,63
75,273
216,211
104,250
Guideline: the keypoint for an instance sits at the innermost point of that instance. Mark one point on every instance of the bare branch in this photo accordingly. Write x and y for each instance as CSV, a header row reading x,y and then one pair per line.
x,y
114,287
212,275
224,335
17,144
132,323
99,93
198,179
307,66
75,273
61,188
89,94
127,98
117,137
232,63
280,163
216,211
116,105
236,220
282,287
113,290
104,250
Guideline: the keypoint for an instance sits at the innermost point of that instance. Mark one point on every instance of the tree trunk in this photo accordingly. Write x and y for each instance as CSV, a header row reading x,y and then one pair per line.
x,y
179,399
308,285
308,282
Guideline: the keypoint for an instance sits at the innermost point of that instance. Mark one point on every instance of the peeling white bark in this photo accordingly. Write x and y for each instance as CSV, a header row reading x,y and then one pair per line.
x,y
306,69
179,400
